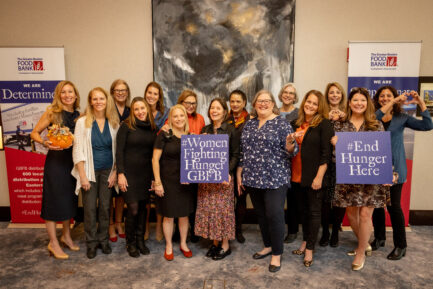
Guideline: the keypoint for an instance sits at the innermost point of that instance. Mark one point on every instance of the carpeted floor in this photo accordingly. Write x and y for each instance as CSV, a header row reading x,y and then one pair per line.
x,y
25,263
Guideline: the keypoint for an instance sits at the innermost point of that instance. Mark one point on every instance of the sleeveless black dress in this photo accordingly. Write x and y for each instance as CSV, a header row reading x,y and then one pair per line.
x,y
59,202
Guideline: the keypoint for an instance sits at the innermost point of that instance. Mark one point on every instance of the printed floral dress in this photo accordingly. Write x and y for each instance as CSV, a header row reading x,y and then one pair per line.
x,y
358,195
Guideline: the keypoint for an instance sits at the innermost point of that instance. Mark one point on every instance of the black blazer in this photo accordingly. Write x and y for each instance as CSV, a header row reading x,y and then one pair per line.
x,y
316,150
234,145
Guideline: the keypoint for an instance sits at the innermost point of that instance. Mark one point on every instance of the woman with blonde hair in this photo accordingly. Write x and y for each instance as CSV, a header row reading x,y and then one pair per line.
x,y
95,166
121,95
288,97
175,200
59,202
337,102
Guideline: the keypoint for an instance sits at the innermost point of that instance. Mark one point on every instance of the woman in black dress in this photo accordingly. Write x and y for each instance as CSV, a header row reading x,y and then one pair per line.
x,y
134,150
175,200
59,202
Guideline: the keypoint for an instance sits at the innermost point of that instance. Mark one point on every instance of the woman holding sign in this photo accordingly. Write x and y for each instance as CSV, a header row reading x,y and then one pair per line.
x,y
388,104
175,199
267,144
215,217
313,135
59,202
359,200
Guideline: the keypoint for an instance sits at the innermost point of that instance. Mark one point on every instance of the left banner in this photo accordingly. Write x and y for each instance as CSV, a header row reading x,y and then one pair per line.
x,y
27,81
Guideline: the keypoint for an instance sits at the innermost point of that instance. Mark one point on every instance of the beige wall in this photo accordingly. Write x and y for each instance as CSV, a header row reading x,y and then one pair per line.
x,y
108,39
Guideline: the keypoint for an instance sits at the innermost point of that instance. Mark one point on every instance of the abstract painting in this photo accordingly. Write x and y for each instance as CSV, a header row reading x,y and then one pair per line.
x,y
215,46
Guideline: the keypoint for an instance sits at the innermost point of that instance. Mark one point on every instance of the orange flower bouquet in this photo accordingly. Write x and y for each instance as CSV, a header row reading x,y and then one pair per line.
x,y
60,136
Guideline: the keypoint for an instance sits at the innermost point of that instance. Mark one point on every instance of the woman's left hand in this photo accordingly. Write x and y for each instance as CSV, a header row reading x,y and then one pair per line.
x,y
112,179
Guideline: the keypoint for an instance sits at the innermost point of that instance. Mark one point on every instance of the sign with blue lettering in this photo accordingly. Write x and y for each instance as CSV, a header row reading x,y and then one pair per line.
x,y
364,158
204,158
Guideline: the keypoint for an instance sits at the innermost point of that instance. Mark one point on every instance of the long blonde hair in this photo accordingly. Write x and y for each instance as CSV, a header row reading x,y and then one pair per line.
x,y
55,109
322,109
170,116
110,110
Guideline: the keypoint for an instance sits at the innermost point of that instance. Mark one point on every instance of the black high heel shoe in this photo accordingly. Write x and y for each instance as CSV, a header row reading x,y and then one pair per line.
x,y
377,243
397,254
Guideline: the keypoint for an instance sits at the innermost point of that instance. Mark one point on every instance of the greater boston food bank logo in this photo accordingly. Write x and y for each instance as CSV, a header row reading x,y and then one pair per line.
x,y
30,65
383,61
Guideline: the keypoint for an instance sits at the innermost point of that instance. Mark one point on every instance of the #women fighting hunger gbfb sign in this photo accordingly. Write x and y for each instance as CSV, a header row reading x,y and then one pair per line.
x,y
363,158
204,158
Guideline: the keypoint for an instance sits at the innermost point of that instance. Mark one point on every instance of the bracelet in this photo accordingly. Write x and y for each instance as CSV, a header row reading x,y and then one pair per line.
x,y
157,183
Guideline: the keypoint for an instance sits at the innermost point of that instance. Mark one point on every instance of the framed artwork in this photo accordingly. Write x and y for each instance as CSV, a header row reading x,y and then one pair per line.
x,y
426,92
214,47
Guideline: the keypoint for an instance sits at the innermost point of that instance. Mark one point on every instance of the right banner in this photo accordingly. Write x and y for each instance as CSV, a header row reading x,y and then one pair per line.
x,y
376,64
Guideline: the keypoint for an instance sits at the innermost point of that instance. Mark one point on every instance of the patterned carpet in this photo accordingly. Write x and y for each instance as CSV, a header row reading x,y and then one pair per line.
x,y
25,264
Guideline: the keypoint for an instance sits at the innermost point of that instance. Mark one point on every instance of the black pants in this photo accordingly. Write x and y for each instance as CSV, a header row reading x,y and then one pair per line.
x,y
269,207
241,207
135,223
311,204
397,219
293,215
330,214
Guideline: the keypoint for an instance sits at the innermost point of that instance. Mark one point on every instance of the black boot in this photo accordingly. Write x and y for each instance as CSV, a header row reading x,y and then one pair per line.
x,y
131,242
240,237
334,238
376,244
397,253
141,228
324,241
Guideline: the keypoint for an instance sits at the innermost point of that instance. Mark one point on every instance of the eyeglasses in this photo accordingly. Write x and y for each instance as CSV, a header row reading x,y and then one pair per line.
x,y
120,90
264,101
187,103
288,93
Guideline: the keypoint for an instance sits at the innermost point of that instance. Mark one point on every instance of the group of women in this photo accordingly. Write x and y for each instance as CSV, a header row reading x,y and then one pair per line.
x,y
125,151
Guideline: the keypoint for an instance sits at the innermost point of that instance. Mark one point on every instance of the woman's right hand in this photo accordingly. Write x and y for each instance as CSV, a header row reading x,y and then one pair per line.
x,y
85,184
122,182
334,140
401,99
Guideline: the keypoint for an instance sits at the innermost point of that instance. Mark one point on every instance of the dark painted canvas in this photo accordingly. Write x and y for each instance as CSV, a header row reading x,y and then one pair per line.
x,y
214,47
